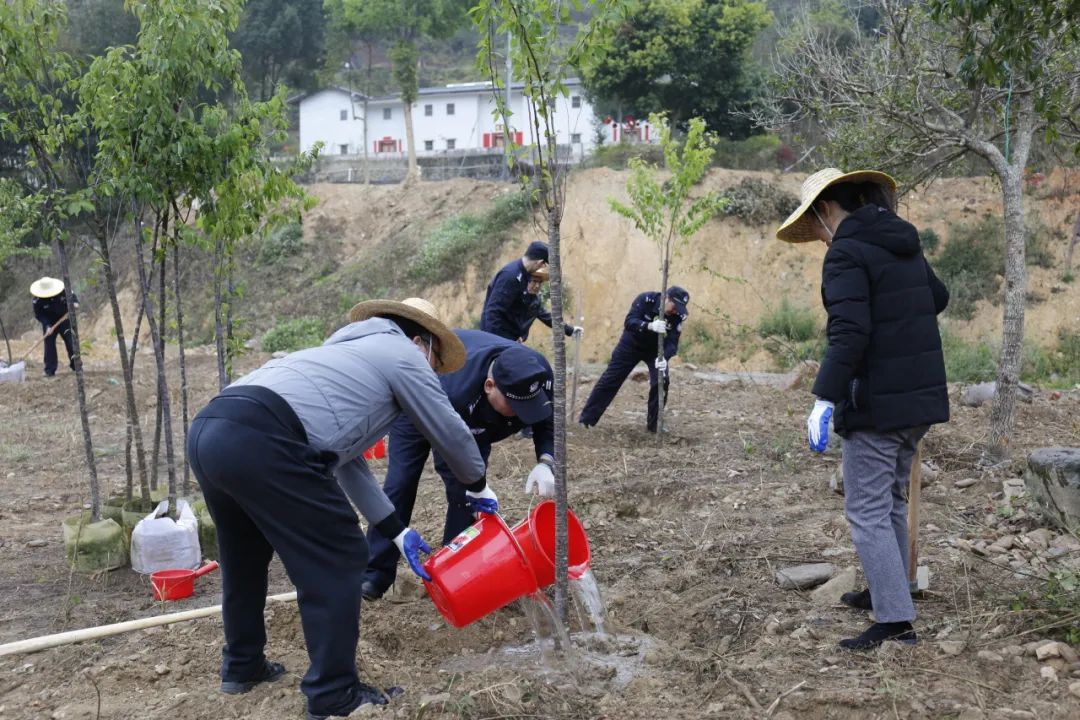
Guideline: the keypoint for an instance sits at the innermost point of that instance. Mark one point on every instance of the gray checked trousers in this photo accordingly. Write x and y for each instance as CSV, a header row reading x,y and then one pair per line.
x,y
877,468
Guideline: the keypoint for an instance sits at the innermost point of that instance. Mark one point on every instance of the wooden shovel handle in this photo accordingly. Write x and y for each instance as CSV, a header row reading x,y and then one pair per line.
x,y
914,494
41,339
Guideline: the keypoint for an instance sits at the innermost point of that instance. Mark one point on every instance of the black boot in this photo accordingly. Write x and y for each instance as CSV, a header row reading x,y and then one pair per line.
x,y
269,672
858,600
363,694
878,633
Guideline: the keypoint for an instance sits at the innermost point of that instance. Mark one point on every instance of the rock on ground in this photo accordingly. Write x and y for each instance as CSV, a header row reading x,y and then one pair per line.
x,y
829,593
801,577
1052,478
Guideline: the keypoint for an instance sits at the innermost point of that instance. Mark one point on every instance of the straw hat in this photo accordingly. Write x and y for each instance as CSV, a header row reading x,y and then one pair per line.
x,y
541,273
799,227
420,311
46,287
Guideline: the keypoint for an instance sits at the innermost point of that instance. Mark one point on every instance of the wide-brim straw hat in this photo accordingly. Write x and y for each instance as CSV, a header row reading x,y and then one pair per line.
x,y
799,227
541,273
423,313
46,287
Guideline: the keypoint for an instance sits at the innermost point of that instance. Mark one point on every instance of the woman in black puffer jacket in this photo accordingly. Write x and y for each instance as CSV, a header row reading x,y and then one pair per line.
x,y
882,382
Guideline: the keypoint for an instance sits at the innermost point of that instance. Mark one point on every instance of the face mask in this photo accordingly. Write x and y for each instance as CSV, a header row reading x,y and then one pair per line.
x,y
822,222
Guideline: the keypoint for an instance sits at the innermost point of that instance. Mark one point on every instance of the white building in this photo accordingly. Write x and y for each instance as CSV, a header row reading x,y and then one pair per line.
x,y
451,118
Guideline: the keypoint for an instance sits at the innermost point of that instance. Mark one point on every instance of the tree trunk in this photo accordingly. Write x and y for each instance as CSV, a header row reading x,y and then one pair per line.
x,y
6,340
1068,253
230,288
183,365
1012,332
134,431
80,384
661,396
554,222
129,495
159,358
412,173
219,324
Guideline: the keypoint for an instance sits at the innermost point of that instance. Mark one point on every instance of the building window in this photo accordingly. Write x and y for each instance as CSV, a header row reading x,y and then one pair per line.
x,y
387,113
344,115
429,110
344,149
575,138
449,108
429,144
450,143
575,101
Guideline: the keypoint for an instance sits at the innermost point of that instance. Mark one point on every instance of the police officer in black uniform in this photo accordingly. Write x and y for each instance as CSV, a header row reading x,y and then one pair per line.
x,y
50,306
639,344
506,304
503,387
534,307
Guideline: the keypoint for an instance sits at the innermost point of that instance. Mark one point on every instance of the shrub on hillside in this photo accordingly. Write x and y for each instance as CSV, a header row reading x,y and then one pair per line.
x,y
758,202
281,242
619,155
757,152
970,263
468,238
292,335
788,321
930,240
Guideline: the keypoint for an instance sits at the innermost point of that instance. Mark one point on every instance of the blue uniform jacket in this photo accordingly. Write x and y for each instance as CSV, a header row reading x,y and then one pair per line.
x,y
645,309
49,310
465,388
535,310
505,305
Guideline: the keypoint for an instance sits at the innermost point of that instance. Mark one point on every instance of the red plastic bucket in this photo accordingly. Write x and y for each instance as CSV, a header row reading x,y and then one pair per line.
x,y
376,451
178,584
536,536
478,572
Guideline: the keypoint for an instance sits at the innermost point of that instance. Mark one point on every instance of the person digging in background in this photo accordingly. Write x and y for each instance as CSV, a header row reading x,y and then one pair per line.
x,y
882,382
503,387
278,455
638,343
534,306
50,308
506,302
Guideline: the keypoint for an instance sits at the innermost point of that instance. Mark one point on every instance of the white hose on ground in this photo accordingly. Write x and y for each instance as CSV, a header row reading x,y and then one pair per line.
x,y
73,636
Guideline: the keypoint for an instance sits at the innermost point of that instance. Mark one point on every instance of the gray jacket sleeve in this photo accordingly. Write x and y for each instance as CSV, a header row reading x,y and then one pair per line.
x,y
421,396
364,491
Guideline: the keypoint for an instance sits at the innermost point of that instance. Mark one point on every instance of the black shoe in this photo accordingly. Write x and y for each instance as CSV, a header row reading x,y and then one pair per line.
x,y
363,694
858,600
371,591
269,672
878,633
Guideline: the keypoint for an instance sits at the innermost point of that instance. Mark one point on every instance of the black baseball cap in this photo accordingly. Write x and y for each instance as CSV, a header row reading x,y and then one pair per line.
x,y
680,297
537,250
523,379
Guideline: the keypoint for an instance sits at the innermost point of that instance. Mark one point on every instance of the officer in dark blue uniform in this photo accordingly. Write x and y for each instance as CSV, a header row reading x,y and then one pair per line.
x,y
50,306
534,307
639,344
503,387
506,304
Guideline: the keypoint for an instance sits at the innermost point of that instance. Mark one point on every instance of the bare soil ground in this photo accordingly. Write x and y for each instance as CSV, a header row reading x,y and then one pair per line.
x,y
685,537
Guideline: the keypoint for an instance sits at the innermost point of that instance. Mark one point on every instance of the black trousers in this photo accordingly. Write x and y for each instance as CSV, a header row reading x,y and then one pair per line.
x,y
409,452
624,358
268,490
51,360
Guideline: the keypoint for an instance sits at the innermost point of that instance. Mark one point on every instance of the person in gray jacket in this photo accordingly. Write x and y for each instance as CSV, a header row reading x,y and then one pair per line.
x,y
278,455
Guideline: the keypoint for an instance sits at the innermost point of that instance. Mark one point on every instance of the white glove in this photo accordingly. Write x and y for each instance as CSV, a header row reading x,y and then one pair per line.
x,y
579,331
817,425
542,479
658,326
661,364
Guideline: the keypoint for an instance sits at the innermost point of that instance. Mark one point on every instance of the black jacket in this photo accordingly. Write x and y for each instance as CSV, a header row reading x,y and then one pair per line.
x,y
465,388
636,333
884,368
49,310
505,305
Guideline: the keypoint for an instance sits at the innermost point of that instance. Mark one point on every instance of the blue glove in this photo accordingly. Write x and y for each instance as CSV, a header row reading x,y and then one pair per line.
x,y
411,545
483,501
817,425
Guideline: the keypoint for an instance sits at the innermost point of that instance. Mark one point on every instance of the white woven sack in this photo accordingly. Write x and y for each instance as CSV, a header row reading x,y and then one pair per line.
x,y
160,543
12,373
